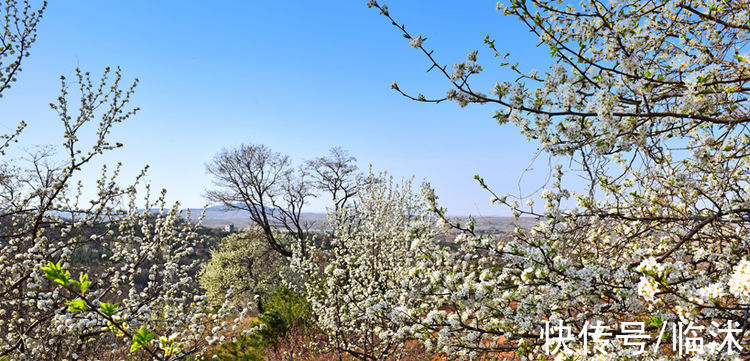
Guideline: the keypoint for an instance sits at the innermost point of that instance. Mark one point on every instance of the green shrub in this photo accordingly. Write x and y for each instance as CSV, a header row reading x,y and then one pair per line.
x,y
285,310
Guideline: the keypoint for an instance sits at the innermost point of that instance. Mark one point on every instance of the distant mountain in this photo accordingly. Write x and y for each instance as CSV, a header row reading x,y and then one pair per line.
x,y
218,217
493,224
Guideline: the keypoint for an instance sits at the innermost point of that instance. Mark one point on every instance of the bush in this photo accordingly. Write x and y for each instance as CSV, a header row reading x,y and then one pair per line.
x,y
287,312
246,264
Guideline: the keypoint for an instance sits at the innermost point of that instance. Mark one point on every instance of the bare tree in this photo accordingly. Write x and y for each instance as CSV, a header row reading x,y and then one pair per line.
x,y
336,174
265,183
256,179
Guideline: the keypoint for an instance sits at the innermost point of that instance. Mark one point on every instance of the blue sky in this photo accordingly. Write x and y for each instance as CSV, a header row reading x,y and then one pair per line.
x,y
297,76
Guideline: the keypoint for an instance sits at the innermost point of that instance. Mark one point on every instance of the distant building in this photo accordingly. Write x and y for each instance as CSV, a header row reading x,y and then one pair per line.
x,y
229,228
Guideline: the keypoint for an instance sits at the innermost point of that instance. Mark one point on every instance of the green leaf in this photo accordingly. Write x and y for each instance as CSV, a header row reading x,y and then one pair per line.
x,y
553,50
84,283
54,272
141,339
501,118
109,309
656,321
77,305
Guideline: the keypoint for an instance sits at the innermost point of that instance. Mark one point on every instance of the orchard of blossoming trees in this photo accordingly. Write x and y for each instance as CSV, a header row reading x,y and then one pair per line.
x,y
647,102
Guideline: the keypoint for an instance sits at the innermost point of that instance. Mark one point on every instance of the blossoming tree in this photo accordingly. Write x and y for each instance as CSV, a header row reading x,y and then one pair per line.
x,y
353,286
81,278
648,102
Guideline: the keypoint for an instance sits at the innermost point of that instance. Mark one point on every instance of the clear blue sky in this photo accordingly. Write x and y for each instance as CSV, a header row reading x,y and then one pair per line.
x,y
297,76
